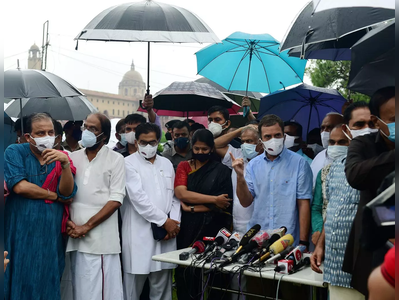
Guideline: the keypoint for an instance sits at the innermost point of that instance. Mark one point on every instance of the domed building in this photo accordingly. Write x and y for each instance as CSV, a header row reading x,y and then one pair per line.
x,y
34,58
132,84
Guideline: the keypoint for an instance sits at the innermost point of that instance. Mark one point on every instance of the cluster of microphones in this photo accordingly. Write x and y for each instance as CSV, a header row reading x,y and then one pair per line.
x,y
256,248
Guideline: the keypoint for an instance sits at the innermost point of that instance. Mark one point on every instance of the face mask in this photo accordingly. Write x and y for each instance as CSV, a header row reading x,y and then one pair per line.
x,y
77,134
89,139
216,128
316,148
289,141
202,157
130,137
274,146
391,128
249,151
361,132
325,136
148,151
181,142
336,151
123,140
43,143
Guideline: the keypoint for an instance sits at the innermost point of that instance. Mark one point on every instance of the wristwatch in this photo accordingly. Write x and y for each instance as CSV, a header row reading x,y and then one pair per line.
x,y
66,165
305,243
192,209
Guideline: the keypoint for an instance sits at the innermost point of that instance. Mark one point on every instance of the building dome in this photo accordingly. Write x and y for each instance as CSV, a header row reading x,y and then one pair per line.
x,y
132,75
34,47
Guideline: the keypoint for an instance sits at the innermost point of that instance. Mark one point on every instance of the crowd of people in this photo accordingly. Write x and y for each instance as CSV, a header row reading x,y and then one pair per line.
x,y
111,210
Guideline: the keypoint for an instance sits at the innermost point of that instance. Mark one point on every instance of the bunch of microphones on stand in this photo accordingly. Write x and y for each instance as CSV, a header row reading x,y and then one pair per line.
x,y
256,250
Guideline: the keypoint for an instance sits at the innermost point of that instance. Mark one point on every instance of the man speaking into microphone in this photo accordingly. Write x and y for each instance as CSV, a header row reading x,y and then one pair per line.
x,y
279,183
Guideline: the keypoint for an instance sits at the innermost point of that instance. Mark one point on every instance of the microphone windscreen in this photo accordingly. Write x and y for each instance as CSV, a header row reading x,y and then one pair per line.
x,y
282,243
260,237
273,238
249,235
220,241
200,246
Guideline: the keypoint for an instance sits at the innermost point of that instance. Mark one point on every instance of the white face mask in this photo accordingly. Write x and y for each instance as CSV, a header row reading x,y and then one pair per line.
x,y
216,128
289,141
336,151
274,146
325,136
43,143
130,137
316,148
148,151
361,132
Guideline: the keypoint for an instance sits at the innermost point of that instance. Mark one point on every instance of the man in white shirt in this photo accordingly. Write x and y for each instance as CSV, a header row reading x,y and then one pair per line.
x,y
94,238
150,200
321,160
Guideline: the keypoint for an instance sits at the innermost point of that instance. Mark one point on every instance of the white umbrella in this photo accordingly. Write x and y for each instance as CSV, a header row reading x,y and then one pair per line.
x,y
320,5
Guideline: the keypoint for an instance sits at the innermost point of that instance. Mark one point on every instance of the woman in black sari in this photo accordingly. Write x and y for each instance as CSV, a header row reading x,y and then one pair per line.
x,y
205,189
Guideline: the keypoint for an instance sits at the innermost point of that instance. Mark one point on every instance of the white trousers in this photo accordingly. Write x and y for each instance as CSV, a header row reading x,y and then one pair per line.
x,y
160,285
66,280
96,277
341,293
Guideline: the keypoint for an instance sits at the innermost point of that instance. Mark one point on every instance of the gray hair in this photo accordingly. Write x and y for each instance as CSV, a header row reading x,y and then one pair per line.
x,y
250,128
334,113
36,117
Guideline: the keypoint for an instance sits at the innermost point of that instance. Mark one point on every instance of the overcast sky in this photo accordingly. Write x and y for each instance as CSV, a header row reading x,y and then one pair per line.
x,y
101,66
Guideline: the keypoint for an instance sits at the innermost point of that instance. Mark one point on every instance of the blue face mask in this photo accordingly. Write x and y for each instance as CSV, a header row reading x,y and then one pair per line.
x,y
181,142
249,151
336,151
391,128
123,140
89,139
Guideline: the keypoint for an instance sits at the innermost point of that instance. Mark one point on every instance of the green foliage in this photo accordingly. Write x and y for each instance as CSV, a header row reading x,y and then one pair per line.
x,y
333,74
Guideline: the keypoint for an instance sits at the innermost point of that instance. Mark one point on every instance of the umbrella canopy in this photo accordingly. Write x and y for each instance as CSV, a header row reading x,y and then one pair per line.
x,y
373,60
64,108
36,84
187,99
306,104
147,21
320,5
236,96
249,62
332,24
330,50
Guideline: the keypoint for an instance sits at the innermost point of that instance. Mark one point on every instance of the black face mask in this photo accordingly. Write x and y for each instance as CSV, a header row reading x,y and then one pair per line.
x,y
202,157
168,136
77,134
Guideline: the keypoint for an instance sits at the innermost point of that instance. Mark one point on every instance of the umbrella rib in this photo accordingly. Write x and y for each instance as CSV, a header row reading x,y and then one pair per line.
x,y
235,73
210,62
264,69
293,117
318,114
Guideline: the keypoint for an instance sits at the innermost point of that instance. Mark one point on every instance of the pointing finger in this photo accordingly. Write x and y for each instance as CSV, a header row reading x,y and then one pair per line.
x,y
232,156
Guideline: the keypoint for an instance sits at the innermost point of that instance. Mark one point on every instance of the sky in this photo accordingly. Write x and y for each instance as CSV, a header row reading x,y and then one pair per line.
x,y
100,66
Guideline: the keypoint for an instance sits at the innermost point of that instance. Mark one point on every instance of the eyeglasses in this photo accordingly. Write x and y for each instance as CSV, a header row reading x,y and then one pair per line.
x,y
144,143
91,129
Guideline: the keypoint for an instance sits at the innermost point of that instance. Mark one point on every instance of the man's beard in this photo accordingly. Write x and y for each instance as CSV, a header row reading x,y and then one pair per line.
x,y
95,147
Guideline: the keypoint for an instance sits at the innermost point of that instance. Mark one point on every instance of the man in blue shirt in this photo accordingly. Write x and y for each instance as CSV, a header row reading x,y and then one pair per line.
x,y
279,184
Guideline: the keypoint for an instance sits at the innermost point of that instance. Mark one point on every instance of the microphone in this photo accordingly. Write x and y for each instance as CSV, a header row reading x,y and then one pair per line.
x,y
248,236
198,247
304,263
231,245
293,258
221,238
277,247
275,235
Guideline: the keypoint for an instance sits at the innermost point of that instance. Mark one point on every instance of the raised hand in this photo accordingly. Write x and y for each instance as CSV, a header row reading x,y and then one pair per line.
x,y
148,102
238,165
52,155
246,101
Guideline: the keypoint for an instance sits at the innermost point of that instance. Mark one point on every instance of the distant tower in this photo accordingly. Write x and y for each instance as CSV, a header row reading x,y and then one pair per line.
x,y
34,59
132,84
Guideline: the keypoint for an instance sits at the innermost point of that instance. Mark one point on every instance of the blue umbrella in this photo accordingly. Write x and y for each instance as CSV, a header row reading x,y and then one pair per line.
x,y
306,104
249,62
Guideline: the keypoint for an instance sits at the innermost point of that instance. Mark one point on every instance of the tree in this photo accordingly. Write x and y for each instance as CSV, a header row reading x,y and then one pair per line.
x,y
333,74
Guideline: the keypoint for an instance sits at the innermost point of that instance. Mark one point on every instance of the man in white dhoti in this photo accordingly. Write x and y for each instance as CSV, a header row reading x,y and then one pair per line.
x,y
93,229
150,199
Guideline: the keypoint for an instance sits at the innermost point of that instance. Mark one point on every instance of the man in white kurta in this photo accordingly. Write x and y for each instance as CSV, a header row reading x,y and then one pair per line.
x,y
150,198
93,230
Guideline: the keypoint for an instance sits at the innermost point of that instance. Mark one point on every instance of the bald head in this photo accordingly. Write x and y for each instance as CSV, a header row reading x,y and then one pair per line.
x,y
330,121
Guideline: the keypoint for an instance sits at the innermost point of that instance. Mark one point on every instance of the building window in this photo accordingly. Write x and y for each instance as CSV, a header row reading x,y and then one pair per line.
x,y
113,102
108,101
128,104
103,100
126,92
97,100
118,112
113,112
135,91
123,103
123,113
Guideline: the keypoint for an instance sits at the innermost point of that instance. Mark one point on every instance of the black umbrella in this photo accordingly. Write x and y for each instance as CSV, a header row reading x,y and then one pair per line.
x,y
184,99
19,84
335,50
65,108
333,24
148,21
373,60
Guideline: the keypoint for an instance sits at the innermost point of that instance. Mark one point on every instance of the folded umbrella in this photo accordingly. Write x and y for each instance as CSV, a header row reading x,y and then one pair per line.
x,y
373,60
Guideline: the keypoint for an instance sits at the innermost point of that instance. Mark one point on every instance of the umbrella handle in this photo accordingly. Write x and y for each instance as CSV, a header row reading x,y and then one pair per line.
x,y
141,104
245,111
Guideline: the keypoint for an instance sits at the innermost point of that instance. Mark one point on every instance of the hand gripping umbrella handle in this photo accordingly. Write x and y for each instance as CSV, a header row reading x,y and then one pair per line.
x,y
245,110
141,104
